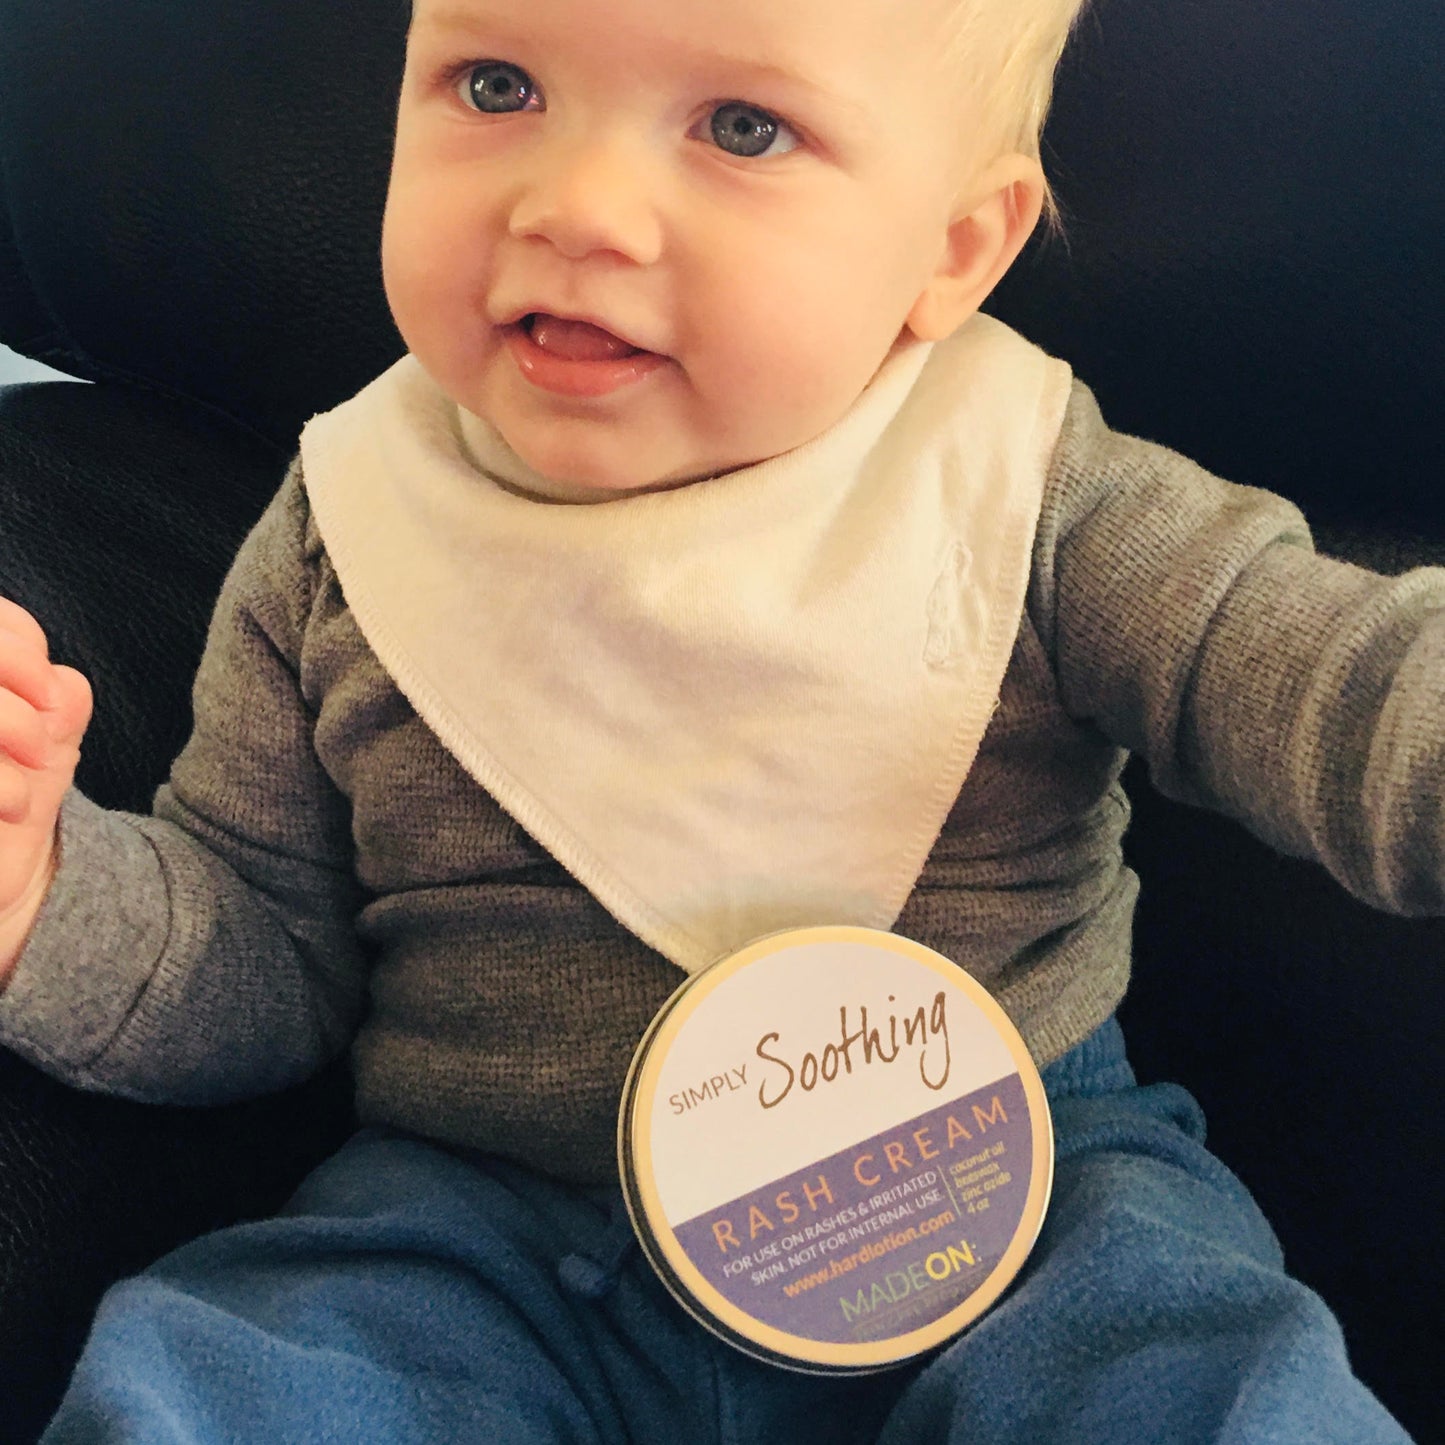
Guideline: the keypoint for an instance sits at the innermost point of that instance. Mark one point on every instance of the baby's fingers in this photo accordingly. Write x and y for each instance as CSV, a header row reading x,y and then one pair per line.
x,y
25,667
45,736
17,791
24,736
68,719
15,620
60,695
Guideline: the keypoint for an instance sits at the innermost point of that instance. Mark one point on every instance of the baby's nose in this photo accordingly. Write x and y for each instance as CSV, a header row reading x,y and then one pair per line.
x,y
591,197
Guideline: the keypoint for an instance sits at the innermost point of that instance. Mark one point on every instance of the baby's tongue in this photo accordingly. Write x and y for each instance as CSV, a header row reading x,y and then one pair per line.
x,y
578,340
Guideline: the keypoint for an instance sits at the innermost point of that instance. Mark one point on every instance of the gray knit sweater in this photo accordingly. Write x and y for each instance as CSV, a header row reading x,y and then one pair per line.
x,y
321,874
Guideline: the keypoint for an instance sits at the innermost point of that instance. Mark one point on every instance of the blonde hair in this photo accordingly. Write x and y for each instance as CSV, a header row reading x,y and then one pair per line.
x,y
1010,50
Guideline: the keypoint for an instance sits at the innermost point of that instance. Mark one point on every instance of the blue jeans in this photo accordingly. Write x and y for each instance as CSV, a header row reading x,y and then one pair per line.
x,y
407,1294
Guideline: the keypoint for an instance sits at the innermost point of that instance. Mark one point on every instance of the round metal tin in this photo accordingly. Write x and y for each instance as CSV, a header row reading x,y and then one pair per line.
x,y
835,1149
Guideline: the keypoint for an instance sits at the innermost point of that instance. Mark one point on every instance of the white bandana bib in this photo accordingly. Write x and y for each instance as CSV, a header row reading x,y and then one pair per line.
x,y
742,705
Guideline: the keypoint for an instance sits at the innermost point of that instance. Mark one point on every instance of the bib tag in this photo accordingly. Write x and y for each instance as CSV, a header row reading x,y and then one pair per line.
x,y
835,1149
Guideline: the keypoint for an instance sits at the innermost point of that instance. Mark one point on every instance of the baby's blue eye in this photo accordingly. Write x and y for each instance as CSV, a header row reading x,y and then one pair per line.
x,y
497,87
745,130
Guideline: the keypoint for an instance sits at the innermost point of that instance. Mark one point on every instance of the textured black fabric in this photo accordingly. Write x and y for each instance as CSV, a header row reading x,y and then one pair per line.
x,y
92,1189
1254,192
194,193
1309,1028
119,514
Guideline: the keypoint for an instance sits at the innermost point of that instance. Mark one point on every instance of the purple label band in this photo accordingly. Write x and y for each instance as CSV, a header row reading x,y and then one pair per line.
x,y
881,1238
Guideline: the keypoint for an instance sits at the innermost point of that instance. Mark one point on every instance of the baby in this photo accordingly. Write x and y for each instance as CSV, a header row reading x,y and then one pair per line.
x,y
709,566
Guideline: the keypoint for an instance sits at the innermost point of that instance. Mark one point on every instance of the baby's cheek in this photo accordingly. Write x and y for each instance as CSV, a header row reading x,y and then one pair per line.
x,y
404,271
790,397
816,368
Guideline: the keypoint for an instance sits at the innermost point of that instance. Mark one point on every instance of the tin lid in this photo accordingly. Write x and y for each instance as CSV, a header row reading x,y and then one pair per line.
x,y
835,1148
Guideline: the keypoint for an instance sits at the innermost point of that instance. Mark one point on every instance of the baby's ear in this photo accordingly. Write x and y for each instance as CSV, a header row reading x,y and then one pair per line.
x,y
983,239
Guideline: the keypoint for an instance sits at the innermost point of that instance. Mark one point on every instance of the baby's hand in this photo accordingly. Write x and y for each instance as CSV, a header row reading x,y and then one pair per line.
x,y
44,711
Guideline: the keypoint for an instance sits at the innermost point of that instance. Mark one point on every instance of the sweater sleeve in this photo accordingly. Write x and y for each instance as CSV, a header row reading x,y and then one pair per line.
x,y
1191,621
208,953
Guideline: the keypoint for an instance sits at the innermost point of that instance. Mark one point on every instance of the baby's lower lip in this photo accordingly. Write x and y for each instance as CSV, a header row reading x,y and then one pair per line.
x,y
567,377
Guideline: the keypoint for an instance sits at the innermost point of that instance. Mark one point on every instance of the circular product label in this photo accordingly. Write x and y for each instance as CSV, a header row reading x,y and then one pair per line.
x,y
835,1148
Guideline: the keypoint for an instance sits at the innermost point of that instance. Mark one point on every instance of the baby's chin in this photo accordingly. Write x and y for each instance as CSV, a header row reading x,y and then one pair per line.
x,y
590,479
589,486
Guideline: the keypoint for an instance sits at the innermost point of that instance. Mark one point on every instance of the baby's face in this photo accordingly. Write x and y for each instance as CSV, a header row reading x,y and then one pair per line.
x,y
654,240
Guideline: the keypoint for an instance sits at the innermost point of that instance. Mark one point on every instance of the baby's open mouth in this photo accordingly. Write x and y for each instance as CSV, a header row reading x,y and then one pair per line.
x,y
577,359
575,340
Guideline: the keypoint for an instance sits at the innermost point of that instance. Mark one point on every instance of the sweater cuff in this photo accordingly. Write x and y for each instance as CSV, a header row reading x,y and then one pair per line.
x,y
94,946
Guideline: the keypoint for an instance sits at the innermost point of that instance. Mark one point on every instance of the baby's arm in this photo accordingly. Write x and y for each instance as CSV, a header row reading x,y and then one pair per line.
x,y
1193,623
44,711
209,952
